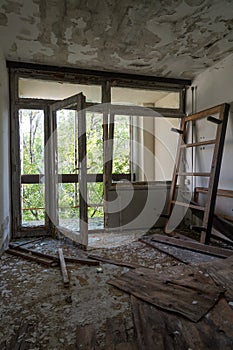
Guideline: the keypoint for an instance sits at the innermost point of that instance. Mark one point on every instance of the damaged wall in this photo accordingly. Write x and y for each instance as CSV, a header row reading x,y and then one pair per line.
x,y
4,156
214,87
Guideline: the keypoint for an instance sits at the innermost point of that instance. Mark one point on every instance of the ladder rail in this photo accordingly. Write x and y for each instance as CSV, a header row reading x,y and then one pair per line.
x,y
221,124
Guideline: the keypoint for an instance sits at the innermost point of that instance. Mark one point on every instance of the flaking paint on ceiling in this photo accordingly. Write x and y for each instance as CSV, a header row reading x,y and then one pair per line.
x,y
170,38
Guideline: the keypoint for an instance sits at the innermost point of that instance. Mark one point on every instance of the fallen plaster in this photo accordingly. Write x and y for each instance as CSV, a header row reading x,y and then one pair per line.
x,y
34,295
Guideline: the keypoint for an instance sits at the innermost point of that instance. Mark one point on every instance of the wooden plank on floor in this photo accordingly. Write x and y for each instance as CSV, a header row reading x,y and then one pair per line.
x,y
183,255
115,332
85,338
31,257
160,330
84,261
190,294
126,346
19,341
52,259
16,244
55,259
113,261
194,246
149,242
65,276
221,272
116,335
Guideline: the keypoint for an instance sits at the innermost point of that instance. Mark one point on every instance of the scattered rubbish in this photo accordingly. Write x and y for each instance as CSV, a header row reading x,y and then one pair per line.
x,y
68,299
65,276
99,270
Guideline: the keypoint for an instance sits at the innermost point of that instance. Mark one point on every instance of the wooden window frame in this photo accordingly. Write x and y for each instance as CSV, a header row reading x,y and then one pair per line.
x,y
106,80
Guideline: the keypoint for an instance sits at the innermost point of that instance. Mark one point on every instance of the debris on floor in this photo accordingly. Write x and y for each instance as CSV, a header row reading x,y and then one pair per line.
x,y
181,289
161,330
37,312
64,272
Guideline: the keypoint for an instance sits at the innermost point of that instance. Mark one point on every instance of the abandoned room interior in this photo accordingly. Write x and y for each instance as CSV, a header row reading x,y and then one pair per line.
x,y
116,164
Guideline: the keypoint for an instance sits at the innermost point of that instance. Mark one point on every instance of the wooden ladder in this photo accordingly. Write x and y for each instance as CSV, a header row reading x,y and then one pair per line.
x,y
220,118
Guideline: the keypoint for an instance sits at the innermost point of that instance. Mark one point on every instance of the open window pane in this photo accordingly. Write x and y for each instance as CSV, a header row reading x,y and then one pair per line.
x,y
146,97
68,205
67,138
94,134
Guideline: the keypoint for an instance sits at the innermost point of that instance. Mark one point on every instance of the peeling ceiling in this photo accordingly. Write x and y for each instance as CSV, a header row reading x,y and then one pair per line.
x,y
169,38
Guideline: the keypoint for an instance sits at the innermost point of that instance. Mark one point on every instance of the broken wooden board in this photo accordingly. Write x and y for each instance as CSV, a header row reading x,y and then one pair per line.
x,y
20,341
183,255
55,259
85,337
116,337
32,256
114,262
83,261
222,274
160,330
65,276
190,293
16,244
193,246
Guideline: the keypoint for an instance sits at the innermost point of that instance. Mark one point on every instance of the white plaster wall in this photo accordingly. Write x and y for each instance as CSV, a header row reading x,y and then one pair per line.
x,y
4,156
215,86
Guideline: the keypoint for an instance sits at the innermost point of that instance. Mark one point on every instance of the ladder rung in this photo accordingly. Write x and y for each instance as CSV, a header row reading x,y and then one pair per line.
x,y
198,228
193,174
188,205
196,144
178,131
214,120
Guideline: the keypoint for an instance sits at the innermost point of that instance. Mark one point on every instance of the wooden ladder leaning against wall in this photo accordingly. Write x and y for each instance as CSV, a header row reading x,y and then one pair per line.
x,y
219,116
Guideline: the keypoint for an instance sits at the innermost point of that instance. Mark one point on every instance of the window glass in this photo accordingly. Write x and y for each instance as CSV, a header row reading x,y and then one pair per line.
x,y
146,98
53,90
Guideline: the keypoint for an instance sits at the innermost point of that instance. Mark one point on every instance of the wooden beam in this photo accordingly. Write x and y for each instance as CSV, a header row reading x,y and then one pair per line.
x,y
72,178
114,262
65,276
85,337
188,205
106,99
31,257
61,71
194,246
197,144
193,174
216,167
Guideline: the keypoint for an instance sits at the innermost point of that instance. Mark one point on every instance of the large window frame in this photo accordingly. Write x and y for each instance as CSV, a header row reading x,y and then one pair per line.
x,y
106,80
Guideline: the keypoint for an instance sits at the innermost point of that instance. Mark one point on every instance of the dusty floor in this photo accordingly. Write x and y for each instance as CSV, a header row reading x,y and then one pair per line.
x,y
34,295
